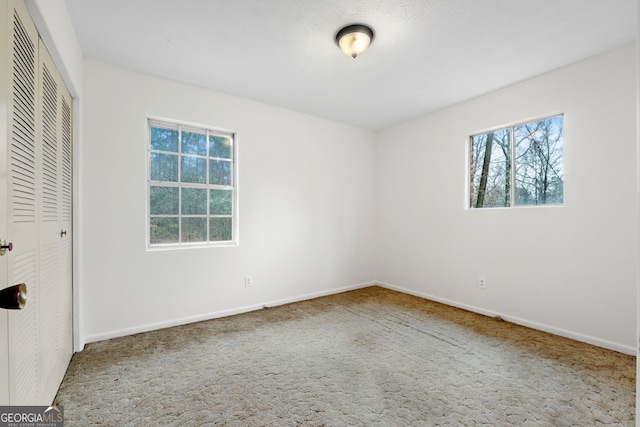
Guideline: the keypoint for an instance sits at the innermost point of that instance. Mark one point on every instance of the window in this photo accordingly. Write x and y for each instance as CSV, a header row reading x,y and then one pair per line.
x,y
527,172
191,185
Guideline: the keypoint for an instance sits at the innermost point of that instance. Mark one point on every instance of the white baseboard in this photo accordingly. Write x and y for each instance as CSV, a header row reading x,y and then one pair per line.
x,y
218,314
519,321
224,313
318,294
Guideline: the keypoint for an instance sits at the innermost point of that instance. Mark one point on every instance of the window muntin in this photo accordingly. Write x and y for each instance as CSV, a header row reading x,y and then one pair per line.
x,y
533,165
191,185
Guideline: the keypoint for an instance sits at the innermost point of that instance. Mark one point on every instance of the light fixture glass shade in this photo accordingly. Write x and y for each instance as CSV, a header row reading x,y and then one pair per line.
x,y
354,39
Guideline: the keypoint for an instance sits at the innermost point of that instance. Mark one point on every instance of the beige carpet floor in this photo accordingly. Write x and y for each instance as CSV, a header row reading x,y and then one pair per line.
x,y
370,357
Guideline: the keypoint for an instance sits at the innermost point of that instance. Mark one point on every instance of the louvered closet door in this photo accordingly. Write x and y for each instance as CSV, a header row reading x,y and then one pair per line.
x,y
38,216
54,224
5,45
24,164
65,226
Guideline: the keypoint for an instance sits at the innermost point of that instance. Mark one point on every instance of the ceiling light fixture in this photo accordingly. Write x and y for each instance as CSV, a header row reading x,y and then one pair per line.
x,y
354,39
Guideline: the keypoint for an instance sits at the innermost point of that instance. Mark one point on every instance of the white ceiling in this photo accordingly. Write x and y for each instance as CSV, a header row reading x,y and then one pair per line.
x,y
427,54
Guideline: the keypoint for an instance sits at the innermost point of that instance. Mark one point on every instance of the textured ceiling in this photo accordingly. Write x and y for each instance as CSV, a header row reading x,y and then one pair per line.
x,y
427,54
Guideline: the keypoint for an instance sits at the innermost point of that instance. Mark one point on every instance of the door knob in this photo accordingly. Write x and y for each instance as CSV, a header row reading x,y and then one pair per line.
x,y
5,246
14,297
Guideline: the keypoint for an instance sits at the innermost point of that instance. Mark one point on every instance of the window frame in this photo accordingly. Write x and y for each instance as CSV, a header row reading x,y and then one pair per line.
x,y
512,196
208,131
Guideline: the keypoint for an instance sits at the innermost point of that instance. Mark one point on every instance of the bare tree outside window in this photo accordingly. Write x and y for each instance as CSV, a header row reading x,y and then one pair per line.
x,y
491,169
539,175
533,165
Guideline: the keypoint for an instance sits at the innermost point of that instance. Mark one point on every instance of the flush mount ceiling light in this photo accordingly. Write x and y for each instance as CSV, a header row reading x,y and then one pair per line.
x,y
354,39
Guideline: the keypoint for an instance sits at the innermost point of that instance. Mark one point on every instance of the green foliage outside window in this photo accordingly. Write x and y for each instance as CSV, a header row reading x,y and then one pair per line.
x,y
191,185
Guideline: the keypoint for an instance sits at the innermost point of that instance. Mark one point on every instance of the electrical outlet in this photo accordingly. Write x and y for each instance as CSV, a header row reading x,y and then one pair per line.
x,y
481,283
248,281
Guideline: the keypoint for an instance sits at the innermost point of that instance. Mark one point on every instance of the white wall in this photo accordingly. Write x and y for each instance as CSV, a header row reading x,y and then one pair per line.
x,y
570,270
55,28
307,201
309,190
315,234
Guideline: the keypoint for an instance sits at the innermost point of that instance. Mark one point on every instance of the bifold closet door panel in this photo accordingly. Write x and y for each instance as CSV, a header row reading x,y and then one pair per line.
x,y
38,215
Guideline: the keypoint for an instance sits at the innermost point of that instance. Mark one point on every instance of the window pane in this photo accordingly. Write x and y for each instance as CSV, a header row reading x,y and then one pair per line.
x,y
490,182
219,146
164,230
194,201
194,229
164,167
190,185
194,169
219,172
220,202
539,175
164,139
220,229
194,143
163,200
